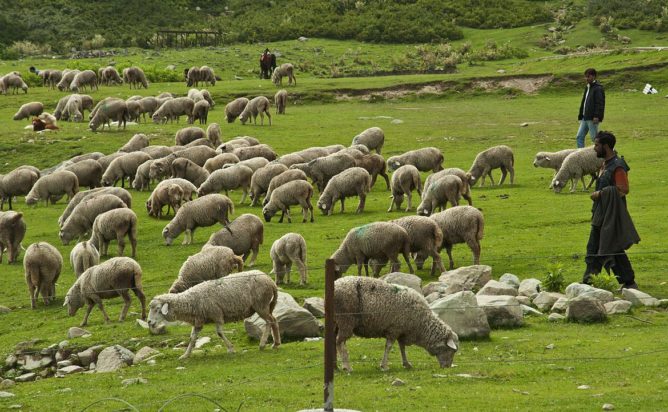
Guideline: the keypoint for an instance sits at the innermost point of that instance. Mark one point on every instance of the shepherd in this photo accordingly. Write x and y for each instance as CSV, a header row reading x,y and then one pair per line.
x,y
267,64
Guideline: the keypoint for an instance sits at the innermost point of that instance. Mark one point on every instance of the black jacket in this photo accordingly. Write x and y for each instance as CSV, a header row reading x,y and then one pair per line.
x,y
595,104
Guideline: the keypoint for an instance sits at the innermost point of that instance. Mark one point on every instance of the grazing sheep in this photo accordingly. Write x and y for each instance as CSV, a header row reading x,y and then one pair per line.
x,y
322,169
258,105
243,141
147,105
72,110
229,299
372,308
198,154
290,159
160,168
109,76
134,110
164,194
115,224
214,133
15,82
281,100
188,170
207,96
123,167
56,184
460,224
28,110
192,77
173,109
288,249
404,180
201,212
315,152
68,76
381,241
575,167
120,193
551,160
60,106
135,77
296,192
111,110
207,75
255,163
42,264
260,150
466,188
115,277
135,144
188,134
83,256
105,161
285,69
235,177
213,262
261,178
425,238
280,180
83,79
355,181
51,77
142,180
200,112
88,172
219,161
243,235
200,142
81,220
493,158
234,108
12,231
425,159
373,138
188,188
157,152
18,182
375,165
446,189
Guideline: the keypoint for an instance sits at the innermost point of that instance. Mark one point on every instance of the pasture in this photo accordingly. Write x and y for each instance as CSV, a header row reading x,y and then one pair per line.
x,y
528,228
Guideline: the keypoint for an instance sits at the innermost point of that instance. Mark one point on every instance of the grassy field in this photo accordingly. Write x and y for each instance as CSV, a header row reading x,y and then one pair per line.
x,y
528,228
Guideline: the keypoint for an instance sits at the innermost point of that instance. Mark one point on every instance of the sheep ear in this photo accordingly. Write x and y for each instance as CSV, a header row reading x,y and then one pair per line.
x,y
67,300
451,343
164,309
547,158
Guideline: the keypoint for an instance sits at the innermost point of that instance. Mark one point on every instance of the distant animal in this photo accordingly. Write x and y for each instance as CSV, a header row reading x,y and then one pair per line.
x,y
267,64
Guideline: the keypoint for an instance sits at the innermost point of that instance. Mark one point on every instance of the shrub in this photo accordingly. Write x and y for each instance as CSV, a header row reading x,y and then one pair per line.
x,y
554,279
605,281
28,48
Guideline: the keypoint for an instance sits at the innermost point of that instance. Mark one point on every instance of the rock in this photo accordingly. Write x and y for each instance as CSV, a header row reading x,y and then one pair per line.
x,y
524,300
69,370
170,67
496,288
396,121
560,305
500,71
4,394
75,332
638,298
202,341
34,362
11,360
462,313
4,310
501,311
294,321
525,124
113,358
64,364
434,287
21,346
617,306
7,383
302,38
433,297
63,344
586,309
529,288
88,356
142,323
545,300
316,306
528,310
134,381
26,377
580,289
584,387
404,279
608,407
144,354
466,278
510,279
663,303
398,382
550,346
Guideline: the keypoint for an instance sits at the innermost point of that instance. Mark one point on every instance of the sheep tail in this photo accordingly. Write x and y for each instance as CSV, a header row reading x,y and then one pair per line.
x,y
274,299
239,262
136,281
481,228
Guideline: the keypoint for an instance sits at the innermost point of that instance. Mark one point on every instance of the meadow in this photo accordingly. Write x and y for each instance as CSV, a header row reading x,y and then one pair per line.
x,y
528,230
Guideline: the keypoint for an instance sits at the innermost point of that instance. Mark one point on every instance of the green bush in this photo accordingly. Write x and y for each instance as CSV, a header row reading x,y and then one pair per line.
x,y
605,281
554,280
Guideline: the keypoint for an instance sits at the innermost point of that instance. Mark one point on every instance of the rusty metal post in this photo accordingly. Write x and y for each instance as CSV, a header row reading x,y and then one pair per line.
x,y
330,334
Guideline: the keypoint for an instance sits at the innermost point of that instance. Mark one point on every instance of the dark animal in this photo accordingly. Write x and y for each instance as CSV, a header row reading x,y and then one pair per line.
x,y
267,64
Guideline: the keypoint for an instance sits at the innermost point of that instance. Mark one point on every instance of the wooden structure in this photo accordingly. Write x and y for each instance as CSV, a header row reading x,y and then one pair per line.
x,y
187,38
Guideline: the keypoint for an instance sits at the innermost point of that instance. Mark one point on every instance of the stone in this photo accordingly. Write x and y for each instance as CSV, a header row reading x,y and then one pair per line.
x,y
4,394
63,344
142,323
663,303
21,346
434,287
529,288
524,300
86,357
560,305
617,306
398,382
510,279
433,297
11,360
170,67
144,354
545,300
496,288
638,298
528,310
580,289
316,306
466,278
461,312
75,332
26,377
7,383
202,341
113,358
64,364
4,310
134,381
302,38
524,124
608,407
404,279
584,387
294,321
69,370
500,71
550,346
34,362
586,309
501,311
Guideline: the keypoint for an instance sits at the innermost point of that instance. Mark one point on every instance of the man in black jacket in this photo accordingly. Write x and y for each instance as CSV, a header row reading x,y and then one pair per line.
x,y
592,108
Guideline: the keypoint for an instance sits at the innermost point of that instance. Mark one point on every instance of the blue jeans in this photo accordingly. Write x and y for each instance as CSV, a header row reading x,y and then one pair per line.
x,y
586,125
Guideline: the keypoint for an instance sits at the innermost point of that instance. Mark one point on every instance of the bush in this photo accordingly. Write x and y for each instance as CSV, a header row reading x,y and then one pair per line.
x,y
605,281
28,48
554,279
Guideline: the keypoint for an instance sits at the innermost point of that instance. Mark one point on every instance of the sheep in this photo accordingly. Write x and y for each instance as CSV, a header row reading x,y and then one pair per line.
x,y
207,75
381,241
102,103
322,169
202,212
288,249
192,77
465,189
551,160
117,276
493,158
60,106
575,167
372,308
228,299
157,151
375,165
113,109
18,182
373,138
164,194
460,224
15,82
72,110
425,238
173,109
187,135
260,150
297,192
148,105
135,144
257,105
80,221
290,159
120,193
441,191
234,108
283,178
214,133
188,188
83,79
68,76
243,235
88,172
200,142
55,184
239,141
219,161
134,110
122,167
135,77
51,77
235,177
29,109
83,256
355,181
200,112
425,159
42,264
285,69
142,180
115,224
213,262
12,231
254,163
261,178
161,167
281,100
198,154
109,76
105,161
188,170
315,152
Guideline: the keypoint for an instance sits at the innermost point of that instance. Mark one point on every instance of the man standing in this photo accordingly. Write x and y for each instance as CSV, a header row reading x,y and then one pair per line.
x,y
592,108
612,231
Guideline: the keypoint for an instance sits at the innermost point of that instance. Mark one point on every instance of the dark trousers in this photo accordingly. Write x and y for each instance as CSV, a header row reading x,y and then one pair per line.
x,y
619,262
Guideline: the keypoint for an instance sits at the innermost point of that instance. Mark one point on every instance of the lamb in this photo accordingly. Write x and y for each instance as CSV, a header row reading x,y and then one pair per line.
x,y
113,109
109,76
322,169
404,180
88,172
56,184
42,264
135,77
105,161
297,192
135,144
575,167
200,112
375,165
80,221
115,224
234,108
460,224
257,105
355,181
391,312
425,159
243,141
142,180
68,76
173,109
493,158
214,133
18,182
235,177
200,142
466,188
213,262
381,241
187,135
281,100
260,150
373,138
188,170
83,256
243,235
551,160
188,188
12,231
425,238
117,276
228,299
83,79
261,179
446,189
15,82
122,167
201,212
120,193
280,180
288,249
164,194
28,110
198,154
285,69
219,161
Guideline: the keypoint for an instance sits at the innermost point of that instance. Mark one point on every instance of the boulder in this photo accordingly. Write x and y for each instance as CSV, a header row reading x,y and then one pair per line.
x,y
144,354
466,278
638,298
7,383
113,358
501,311
404,279
4,394
75,332
510,279
663,303
560,305
617,306
580,289
529,288
68,370
434,287
496,288
88,356
461,312
26,377
294,321
586,309
432,297
316,306
545,300
528,310
31,362
555,317
524,300
4,310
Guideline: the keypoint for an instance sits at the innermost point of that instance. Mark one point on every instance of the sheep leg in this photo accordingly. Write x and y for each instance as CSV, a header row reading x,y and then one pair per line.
x,y
387,179
343,201
448,248
98,301
228,343
360,207
302,271
360,261
511,169
391,203
104,247
343,350
185,237
475,248
404,359
491,179
270,324
409,195
142,300
133,243
126,304
388,346
287,212
89,309
120,238
288,269
269,116
304,213
584,187
310,208
193,337
437,262
32,290
255,248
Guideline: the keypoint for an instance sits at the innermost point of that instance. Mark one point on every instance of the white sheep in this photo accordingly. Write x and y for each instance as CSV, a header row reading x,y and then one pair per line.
x,y
83,79
466,187
460,224
83,255
260,150
188,188
575,167
14,82
322,169
261,178
280,180
296,192
201,212
136,143
219,161
426,238
497,157
12,232
164,194
142,179
68,76
425,159
213,262
135,77
124,167
18,182
88,172
235,177
234,108
80,222
173,109
56,184
281,101
157,151
42,264
258,105
288,249
446,189
404,180
255,163
29,109
551,160
243,235
72,110
355,181
188,134
115,225
239,141
110,76
214,133
200,112
284,70
120,193
290,159
373,138
375,165
111,110
188,170
198,154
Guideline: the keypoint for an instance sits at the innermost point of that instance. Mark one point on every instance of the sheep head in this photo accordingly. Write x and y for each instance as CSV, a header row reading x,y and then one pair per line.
x,y
445,349
269,211
158,315
74,299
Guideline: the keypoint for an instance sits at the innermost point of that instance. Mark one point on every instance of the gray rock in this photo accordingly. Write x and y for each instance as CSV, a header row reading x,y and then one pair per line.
x,y
545,300
560,305
434,287
510,279
496,288
433,297
144,354
63,344
466,278
134,381
34,362
461,312
663,303
4,394
64,364
316,306
586,309
4,310
529,288
617,306
294,321
7,383
75,332
501,311
638,298
524,300
398,382
580,289
26,377
404,279
528,310
113,358
11,360
86,357
142,323
608,407
69,370
202,341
